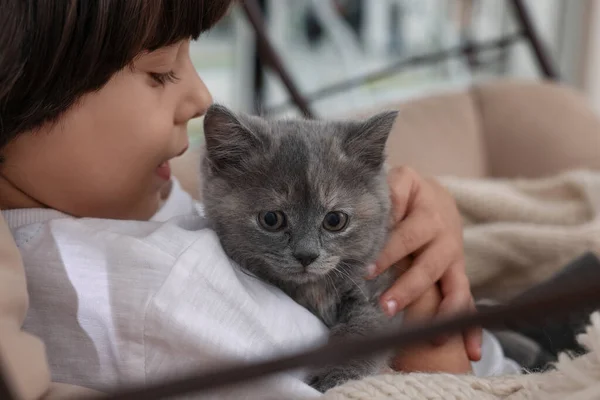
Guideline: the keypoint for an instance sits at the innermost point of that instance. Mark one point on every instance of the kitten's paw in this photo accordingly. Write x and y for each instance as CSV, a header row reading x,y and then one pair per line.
x,y
327,379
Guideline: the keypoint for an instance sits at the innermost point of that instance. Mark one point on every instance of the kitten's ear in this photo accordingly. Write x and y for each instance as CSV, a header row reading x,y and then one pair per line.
x,y
229,138
366,140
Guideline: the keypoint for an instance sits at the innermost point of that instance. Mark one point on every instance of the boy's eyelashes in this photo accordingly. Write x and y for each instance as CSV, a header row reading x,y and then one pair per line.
x,y
163,78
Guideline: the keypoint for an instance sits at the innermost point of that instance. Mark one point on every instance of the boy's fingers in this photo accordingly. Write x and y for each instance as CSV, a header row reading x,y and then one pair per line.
x,y
473,342
401,190
408,237
459,300
422,275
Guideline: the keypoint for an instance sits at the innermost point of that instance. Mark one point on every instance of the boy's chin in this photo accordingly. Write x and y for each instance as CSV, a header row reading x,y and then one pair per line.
x,y
146,208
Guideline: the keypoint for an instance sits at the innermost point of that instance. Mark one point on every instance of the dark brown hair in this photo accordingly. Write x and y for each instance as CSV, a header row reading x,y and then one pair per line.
x,y
55,51
10,44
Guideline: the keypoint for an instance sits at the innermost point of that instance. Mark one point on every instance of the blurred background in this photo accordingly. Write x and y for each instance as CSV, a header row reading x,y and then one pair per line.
x,y
328,42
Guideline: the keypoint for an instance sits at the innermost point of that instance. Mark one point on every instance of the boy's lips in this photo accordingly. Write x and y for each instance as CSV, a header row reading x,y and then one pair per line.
x,y
164,169
183,151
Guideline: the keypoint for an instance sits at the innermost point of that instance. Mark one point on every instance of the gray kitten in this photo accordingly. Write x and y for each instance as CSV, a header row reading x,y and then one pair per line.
x,y
304,205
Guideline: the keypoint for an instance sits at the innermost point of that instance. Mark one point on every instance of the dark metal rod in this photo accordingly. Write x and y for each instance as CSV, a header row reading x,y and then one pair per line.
x,y
541,54
576,293
457,51
259,70
253,12
469,50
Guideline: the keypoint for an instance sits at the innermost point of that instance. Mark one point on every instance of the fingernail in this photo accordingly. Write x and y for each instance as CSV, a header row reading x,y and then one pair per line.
x,y
477,356
390,307
371,270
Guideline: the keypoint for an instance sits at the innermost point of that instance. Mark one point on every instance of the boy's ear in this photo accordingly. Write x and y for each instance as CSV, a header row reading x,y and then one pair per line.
x,y
229,139
366,140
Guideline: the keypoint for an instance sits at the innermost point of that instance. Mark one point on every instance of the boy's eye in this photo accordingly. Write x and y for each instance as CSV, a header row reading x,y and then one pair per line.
x,y
163,78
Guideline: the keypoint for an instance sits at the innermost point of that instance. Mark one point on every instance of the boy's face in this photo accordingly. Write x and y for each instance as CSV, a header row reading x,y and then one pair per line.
x,y
108,155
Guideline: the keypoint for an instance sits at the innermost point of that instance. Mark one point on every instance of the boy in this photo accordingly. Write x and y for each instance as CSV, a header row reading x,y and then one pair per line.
x,y
126,281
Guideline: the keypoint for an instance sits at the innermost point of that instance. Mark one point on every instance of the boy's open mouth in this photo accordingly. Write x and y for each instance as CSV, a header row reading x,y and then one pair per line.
x,y
164,169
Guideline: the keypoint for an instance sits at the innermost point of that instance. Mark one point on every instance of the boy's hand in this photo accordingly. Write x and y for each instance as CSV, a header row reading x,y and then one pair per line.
x,y
451,357
426,226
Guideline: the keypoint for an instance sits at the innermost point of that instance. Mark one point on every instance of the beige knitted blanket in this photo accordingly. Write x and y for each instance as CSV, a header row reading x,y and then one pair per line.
x,y
517,233
573,379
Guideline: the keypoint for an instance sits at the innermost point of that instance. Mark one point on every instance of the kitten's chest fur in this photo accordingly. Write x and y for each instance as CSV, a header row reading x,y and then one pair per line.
x,y
332,298
321,299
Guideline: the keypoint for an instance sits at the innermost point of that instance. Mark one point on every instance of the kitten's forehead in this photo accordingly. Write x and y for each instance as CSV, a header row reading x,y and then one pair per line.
x,y
309,163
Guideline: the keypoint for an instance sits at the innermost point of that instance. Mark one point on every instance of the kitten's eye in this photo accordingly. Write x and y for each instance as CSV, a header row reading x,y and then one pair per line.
x,y
335,221
272,220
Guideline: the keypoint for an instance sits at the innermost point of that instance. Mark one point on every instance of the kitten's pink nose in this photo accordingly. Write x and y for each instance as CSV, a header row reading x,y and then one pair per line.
x,y
305,257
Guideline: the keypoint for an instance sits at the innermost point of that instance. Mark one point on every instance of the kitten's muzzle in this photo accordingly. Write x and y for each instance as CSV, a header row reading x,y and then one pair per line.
x,y
305,257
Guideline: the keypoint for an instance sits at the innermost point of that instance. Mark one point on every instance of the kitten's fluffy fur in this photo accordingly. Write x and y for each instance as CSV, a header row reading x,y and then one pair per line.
x,y
303,170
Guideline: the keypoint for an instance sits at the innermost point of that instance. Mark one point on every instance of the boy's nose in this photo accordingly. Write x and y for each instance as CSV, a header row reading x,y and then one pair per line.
x,y
196,100
201,98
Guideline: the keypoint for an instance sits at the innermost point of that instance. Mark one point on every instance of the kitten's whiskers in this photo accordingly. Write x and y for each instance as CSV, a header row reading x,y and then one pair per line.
x,y
330,279
346,274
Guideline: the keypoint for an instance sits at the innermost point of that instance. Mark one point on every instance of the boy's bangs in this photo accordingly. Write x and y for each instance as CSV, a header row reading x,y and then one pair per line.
x,y
72,47
168,21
